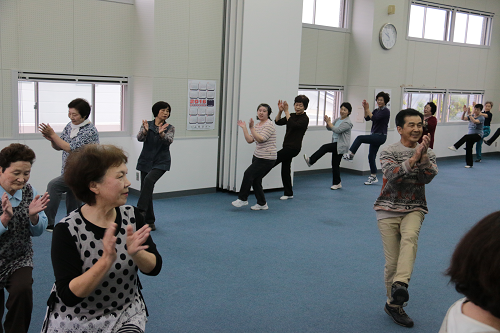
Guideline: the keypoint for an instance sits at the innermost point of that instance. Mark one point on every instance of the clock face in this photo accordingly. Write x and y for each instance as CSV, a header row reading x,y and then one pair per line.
x,y
388,36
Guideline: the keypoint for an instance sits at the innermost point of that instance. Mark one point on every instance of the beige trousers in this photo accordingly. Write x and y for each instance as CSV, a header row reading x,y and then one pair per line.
x,y
400,240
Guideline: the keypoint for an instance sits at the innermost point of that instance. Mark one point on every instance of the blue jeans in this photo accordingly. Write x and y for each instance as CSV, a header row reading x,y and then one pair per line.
x,y
375,140
486,132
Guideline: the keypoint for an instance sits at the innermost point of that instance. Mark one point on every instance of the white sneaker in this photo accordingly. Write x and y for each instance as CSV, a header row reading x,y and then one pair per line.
x,y
286,197
468,166
371,180
239,203
452,148
307,160
348,157
336,187
259,207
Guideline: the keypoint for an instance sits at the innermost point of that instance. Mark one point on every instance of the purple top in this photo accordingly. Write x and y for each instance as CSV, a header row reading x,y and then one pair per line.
x,y
380,118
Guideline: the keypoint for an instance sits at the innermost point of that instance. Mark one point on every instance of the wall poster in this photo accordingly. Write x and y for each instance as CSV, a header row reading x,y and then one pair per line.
x,y
201,105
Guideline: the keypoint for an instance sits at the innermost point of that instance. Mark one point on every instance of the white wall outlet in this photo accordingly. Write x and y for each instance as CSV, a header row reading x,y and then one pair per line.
x,y
496,144
137,175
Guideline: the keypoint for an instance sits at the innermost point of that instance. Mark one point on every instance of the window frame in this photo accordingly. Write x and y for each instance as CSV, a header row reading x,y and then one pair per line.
x,y
450,24
124,81
344,18
445,107
336,105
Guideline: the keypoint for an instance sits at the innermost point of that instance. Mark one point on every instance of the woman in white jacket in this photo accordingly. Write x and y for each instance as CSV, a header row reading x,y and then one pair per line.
x,y
341,138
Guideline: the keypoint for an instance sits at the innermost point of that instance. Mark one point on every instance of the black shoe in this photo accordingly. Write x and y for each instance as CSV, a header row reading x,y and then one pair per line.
x,y
478,160
50,228
487,142
399,293
398,315
152,226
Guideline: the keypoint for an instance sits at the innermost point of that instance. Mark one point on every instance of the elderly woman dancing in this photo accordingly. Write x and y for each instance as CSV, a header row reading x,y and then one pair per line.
x,y
98,249
22,217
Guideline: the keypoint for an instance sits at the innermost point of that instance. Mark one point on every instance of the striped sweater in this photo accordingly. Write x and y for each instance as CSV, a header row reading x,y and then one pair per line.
x,y
403,189
266,149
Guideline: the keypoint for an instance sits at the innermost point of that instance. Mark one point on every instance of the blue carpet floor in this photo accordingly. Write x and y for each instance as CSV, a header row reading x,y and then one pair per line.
x,y
310,264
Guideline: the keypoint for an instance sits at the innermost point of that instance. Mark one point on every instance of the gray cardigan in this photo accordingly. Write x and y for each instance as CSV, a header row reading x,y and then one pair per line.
x,y
344,132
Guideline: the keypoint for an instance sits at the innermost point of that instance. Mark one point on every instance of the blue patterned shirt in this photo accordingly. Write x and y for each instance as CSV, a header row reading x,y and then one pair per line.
x,y
87,134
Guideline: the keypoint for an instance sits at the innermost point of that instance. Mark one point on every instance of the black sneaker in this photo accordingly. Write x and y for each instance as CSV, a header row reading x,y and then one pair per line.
x,y
50,228
398,315
399,293
478,160
487,142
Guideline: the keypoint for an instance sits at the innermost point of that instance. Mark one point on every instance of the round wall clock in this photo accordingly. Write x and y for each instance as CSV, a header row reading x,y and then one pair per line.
x,y
388,36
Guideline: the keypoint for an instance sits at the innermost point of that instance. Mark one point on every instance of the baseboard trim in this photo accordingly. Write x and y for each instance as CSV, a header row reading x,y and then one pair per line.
x,y
176,194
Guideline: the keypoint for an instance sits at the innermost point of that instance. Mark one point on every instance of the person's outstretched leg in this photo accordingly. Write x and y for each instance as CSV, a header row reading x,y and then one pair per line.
x,y
493,138
55,189
326,148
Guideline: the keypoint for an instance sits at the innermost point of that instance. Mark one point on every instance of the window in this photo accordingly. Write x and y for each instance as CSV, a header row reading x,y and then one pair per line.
x,y
457,100
329,13
44,98
449,23
417,99
449,102
322,101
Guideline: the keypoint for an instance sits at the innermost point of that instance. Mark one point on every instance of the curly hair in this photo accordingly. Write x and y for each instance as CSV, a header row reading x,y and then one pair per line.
x,y
89,164
16,152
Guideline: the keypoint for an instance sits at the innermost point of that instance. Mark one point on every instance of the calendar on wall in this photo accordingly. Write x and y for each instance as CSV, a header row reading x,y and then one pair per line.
x,y
201,105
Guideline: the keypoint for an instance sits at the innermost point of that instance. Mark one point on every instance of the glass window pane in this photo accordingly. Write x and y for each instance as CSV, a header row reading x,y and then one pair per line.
x,y
455,106
416,21
460,28
312,109
26,94
435,22
328,13
108,107
54,98
308,11
331,102
418,101
475,29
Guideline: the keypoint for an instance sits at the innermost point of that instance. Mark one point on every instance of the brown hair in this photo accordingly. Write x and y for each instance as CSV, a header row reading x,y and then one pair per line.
x,y
89,164
16,152
475,264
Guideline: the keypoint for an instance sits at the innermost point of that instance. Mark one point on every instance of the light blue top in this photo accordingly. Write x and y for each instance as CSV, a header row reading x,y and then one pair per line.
x,y
15,200
476,128
335,136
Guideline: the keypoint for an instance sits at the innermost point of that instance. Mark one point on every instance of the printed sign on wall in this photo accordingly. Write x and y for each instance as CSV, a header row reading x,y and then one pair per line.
x,y
201,105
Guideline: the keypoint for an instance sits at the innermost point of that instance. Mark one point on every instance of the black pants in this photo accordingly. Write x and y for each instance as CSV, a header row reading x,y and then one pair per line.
x,y
145,203
20,301
494,137
285,157
253,178
469,140
336,159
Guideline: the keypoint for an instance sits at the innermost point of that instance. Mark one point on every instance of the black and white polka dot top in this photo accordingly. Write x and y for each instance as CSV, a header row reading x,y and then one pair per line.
x,y
76,247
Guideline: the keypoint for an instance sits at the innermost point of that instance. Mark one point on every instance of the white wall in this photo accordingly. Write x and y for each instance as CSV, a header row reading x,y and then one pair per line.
x,y
160,44
408,64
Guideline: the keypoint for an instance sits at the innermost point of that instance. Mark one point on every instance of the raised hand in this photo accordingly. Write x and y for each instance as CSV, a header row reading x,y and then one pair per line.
x,y
146,126
242,124
38,204
327,119
250,123
466,109
162,128
285,105
135,240
280,105
109,243
7,210
46,130
365,104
